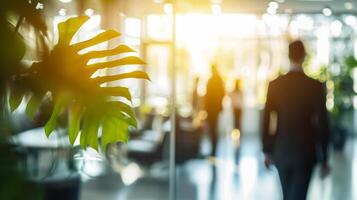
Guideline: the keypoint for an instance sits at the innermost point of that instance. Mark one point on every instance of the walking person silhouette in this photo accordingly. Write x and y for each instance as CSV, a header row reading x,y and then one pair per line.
x,y
302,133
213,105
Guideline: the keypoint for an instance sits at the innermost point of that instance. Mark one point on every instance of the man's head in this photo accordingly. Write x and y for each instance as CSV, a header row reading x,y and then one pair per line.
x,y
297,52
214,69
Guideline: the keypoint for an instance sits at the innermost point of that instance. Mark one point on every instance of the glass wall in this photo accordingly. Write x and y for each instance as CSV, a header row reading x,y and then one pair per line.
x,y
251,48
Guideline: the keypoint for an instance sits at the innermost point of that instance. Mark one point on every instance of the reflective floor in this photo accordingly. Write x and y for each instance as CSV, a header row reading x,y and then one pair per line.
x,y
224,178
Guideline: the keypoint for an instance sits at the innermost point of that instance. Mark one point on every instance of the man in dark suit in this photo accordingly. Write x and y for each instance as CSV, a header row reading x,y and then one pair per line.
x,y
301,134
213,104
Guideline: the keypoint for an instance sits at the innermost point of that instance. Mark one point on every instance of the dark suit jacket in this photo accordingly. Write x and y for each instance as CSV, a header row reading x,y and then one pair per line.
x,y
214,95
302,131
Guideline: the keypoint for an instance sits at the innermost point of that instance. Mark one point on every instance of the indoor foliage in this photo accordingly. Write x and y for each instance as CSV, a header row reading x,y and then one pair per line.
x,y
65,76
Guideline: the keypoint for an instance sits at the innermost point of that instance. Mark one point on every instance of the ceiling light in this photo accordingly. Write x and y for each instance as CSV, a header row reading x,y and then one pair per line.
x,y
349,5
350,20
216,9
89,12
65,1
273,5
39,6
271,11
62,12
327,11
168,8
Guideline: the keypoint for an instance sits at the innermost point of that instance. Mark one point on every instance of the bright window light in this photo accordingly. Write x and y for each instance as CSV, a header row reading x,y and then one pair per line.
x,y
271,11
273,5
65,1
168,8
350,20
62,12
216,9
323,45
348,5
327,11
89,12
132,27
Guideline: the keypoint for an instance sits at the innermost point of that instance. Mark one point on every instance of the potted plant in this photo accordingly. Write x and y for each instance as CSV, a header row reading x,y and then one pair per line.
x,y
343,93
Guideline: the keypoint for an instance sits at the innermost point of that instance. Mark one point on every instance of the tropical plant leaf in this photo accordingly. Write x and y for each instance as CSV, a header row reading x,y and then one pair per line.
x,y
67,29
33,105
102,37
116,113
100,54
52,122
74,122
131,60
114,130
123,107
66,75
134,74
89,134
16,96
117,91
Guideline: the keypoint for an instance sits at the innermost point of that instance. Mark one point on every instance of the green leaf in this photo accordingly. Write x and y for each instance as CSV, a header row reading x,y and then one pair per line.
x,y
117,113
89,134
111,52
117,91
114,130
68,28
134,74
52,122
123,108
101,37
130,60
71,77
33,105
74,122
16,96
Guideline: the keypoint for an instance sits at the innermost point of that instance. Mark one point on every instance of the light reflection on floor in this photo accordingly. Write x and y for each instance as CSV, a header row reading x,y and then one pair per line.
x,y
222,178
248,180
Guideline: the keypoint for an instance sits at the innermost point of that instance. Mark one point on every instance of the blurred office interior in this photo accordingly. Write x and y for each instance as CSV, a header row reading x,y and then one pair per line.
x,y
168,155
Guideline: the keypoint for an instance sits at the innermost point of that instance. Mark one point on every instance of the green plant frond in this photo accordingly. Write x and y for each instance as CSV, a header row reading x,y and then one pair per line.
x,y
15,98
134,74
114,130
64,73
89,133
104,53
125,108
101,37
59,105
130,60
116,113
75,112
116,91
68,28
33,105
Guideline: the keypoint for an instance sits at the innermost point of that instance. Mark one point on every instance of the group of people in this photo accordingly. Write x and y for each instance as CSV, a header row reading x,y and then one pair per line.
x,y
301,135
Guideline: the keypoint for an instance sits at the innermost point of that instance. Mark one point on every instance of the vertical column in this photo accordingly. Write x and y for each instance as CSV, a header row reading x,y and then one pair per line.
x,y
172,164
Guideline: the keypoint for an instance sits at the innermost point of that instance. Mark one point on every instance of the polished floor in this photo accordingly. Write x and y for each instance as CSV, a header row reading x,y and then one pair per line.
x,y
222,177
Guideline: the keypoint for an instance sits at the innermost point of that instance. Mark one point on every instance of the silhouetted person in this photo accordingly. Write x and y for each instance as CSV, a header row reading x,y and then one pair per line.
x,y
196,101
237,104
301,135
213,105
